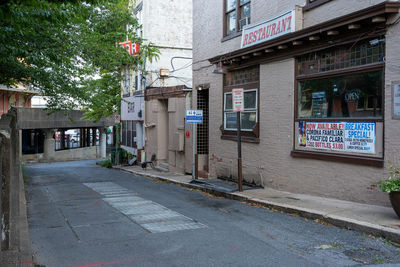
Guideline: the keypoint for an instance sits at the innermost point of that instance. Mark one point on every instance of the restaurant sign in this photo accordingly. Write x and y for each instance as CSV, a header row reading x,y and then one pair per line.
x,y
268,29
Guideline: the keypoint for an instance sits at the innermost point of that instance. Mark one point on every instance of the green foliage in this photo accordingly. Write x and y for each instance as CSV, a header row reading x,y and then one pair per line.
x,y
106,163
126,156
392,183
68,50
25,177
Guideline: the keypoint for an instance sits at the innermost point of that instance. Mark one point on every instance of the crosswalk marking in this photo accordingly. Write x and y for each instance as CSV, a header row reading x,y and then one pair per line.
x,y
148,214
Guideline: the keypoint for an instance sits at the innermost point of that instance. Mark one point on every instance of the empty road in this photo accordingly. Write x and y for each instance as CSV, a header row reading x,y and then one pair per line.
x,y
83,215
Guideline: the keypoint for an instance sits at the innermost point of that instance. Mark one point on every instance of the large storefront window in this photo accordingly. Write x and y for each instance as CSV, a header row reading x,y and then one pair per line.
x,y
339,109
355,96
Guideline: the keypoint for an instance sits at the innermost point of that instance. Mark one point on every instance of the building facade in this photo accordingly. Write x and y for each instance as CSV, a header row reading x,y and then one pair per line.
x,y
157,97
321,93
18,96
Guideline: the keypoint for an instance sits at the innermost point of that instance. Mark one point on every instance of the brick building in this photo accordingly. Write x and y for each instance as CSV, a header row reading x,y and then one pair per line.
x,y
17,96
321,93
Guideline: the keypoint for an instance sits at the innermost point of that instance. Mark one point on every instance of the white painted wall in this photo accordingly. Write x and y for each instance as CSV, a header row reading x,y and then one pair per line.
x,y
168,25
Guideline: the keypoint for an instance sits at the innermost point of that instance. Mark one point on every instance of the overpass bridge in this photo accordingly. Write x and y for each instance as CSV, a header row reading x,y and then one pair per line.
x,y
37,128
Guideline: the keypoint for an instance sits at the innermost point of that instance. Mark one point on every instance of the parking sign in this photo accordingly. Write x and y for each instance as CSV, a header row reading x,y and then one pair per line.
x,y
237,99
194,116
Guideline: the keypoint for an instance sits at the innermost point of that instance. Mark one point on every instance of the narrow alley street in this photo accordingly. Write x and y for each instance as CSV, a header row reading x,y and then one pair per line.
x,y
80,214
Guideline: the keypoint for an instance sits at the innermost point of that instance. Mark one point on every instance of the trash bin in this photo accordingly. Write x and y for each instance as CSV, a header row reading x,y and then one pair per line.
x,y
116,156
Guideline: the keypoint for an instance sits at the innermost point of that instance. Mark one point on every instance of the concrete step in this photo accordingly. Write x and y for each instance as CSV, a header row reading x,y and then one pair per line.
x,y
164,165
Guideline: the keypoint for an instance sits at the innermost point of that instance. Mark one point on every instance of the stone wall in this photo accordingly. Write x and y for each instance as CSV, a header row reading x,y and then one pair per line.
x,y
81,153
14,236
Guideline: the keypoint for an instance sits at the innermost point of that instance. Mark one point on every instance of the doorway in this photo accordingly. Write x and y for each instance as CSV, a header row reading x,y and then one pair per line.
x,y
202,133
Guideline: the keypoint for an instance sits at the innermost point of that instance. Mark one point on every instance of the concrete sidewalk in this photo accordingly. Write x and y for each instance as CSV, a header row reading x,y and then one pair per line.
x,y
371,219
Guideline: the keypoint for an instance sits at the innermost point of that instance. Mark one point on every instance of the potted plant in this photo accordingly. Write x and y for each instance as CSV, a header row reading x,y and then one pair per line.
x,y
392,186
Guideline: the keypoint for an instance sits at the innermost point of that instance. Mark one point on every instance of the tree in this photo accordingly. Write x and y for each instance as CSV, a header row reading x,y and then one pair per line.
x,y
68,50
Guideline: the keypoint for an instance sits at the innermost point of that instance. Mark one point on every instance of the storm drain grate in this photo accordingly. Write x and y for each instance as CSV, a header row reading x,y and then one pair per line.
x,y
150,215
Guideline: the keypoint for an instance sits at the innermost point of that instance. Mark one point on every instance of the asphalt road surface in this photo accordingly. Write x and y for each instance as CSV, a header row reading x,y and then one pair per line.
x,y
83,215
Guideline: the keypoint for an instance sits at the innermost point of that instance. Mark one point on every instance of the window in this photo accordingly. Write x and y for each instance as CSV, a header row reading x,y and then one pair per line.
x,y
347,96
248,79
363,53
237,15
355,95
339,107
128,133
248,117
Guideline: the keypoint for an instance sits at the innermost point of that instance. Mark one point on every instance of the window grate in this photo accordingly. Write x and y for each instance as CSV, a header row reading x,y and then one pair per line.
x,y
202,129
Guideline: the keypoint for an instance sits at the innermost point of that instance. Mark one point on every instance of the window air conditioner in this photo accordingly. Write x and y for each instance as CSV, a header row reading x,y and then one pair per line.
x,y
243,22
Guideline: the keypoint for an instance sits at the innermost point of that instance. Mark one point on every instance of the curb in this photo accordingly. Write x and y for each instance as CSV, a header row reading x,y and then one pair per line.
x,y
339,221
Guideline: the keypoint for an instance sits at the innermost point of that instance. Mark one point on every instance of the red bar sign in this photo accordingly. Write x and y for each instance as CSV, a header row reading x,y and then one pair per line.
x,y
237,99
132,48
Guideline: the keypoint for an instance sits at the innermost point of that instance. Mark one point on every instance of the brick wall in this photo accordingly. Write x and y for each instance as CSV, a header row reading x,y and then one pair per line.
x,y
269,163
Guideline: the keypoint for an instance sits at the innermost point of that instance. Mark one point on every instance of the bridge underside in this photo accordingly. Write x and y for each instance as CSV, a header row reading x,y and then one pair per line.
x,y
60,135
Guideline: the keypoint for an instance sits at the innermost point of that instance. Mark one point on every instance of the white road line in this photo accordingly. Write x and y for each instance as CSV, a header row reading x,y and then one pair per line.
x,y
148,214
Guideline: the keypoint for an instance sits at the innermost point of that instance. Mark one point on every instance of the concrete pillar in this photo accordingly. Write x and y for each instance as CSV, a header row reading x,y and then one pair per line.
x,y
62,139
87,137
103,142
81,139
49,151
94,139
20,142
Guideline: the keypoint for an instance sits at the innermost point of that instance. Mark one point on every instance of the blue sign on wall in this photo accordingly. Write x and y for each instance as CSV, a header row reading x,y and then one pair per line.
x,y
194,116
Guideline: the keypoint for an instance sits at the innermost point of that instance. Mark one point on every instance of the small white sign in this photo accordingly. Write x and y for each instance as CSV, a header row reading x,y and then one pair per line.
x,y
117,118
238,99
396,100
194,116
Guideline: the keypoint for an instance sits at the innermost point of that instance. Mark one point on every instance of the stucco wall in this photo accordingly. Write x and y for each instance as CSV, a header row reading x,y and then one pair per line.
x,y
167,24
269,163
181,61
165,131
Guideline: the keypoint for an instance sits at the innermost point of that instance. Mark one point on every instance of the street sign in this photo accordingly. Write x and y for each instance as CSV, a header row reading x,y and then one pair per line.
x,y
194,116
237,99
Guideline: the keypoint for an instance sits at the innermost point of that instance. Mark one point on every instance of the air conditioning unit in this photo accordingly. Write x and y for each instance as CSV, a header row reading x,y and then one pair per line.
x,y
243,22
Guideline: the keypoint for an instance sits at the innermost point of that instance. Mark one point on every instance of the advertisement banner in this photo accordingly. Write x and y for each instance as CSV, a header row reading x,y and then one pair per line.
x,y
357,137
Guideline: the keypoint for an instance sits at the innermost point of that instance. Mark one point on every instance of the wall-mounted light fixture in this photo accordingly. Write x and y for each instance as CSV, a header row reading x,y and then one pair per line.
x,y
219,69
204,86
